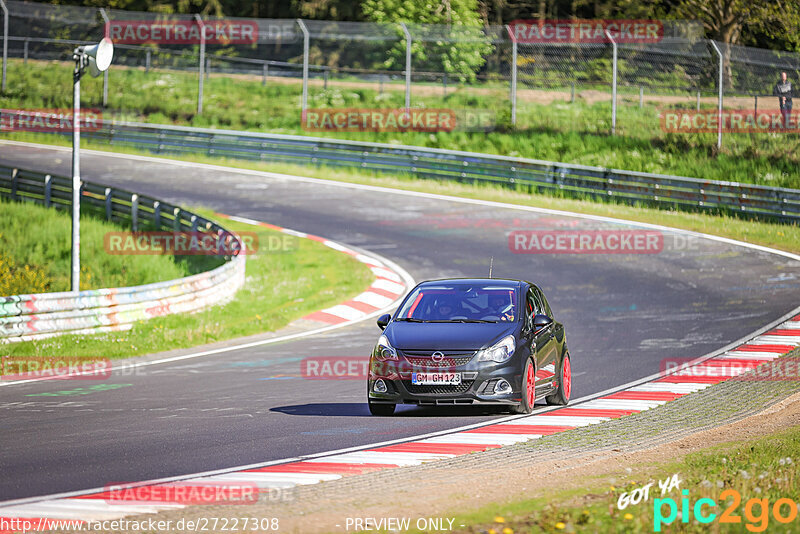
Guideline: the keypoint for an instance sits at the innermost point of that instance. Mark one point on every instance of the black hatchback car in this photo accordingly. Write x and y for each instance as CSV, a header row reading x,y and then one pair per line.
x,y
470,341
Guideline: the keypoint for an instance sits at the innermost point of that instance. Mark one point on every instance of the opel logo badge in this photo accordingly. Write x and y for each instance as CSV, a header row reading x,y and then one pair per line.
x,y
437,356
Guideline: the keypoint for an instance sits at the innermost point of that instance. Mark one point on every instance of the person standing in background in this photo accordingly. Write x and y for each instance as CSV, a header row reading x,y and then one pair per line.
x,y
783,90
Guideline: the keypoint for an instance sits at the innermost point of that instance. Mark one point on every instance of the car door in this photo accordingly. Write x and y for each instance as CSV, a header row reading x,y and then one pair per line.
x,y
546,346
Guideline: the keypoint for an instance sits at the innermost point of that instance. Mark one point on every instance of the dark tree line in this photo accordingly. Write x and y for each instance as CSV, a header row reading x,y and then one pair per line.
x,y
763,23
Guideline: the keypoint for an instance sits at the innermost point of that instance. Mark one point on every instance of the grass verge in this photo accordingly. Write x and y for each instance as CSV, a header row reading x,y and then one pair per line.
x,y
765,469
548,127
281,285
39,262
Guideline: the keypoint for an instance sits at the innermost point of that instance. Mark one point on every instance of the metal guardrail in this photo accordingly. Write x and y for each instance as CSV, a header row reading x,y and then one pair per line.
x,y
26,317
469,167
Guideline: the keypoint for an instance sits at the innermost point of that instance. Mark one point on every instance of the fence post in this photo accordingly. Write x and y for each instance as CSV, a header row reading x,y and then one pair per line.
x,y
755,106
325,79
264,73
719,97
208,67
201,62
157,214
513,75
147,61
109,203
5,41
698,100
613,85
572,93
444,82
48,190
641,97
303,29
407,35
134,212
25,50
106,28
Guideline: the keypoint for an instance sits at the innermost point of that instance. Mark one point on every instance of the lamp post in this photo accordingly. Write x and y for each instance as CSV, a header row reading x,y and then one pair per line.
x,y
97,58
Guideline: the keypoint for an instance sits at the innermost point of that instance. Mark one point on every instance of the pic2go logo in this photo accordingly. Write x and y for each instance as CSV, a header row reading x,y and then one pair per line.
x,y
756,511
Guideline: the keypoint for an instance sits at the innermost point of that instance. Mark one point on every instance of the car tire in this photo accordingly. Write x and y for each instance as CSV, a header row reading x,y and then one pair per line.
x,y
561,396
528,389
381,409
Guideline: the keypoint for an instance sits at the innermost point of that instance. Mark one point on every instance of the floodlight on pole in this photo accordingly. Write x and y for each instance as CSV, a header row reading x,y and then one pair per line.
x,y
97,58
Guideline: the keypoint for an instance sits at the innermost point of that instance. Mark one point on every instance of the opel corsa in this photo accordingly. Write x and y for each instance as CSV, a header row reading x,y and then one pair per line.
x,y
470,341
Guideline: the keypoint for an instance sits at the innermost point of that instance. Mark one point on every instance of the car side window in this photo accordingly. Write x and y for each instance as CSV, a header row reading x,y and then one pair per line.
x,y
530,309
543,306
537,301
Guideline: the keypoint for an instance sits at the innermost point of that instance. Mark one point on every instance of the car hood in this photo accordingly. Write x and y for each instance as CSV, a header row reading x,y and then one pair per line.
x,y
446,336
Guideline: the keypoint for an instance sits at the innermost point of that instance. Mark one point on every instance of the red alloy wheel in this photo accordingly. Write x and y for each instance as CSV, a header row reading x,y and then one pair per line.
x,y
530,386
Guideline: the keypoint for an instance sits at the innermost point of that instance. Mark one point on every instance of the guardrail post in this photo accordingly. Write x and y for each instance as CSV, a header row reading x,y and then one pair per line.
x,y
109,193
698,100
304,102
157,214
407,35
208,67
613,84
719,97
264,73
134,212
513,75
25,51
176,220
147,60
48,190
5,41
106,26
201,63
14,175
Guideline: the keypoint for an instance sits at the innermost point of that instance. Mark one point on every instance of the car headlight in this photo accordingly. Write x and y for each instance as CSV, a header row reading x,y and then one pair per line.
x,y
383,350
499,352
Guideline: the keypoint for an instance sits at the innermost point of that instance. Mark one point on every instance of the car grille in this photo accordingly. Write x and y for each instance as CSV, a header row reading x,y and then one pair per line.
x,y
420,358
437,390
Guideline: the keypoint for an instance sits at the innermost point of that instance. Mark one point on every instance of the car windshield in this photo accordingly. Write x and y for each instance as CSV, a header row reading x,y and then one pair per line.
x,y
460,303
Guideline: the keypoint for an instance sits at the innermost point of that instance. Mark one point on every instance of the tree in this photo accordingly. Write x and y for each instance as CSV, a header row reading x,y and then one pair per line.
x,y
460,50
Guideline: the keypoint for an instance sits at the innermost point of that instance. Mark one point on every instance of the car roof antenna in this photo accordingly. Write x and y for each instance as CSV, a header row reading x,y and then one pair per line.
x,y
491,263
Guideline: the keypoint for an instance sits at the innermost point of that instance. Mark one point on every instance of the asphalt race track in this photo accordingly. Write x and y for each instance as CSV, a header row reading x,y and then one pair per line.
x,y
624,314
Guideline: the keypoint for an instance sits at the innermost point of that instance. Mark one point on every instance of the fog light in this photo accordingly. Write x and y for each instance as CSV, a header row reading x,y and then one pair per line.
x,y
380,386
502,387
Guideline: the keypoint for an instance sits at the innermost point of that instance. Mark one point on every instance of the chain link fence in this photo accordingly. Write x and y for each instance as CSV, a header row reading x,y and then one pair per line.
x,y
487,77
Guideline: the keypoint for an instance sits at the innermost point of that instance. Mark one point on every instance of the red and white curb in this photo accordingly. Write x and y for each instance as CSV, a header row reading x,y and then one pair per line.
x,y
97,505
387,288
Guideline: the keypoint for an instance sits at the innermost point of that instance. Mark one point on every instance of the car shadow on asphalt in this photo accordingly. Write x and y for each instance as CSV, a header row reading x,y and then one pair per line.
x,y
360,409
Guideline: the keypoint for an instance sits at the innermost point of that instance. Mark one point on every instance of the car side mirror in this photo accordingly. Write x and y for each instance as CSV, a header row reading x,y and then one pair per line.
x,y
383,320
541,321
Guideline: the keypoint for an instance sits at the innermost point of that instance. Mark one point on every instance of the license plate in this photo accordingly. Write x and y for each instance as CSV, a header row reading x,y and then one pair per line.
x,y
435,379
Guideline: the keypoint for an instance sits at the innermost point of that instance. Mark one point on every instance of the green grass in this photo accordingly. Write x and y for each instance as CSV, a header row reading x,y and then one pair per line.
x,y
756,468
46,253
557,131
280,286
